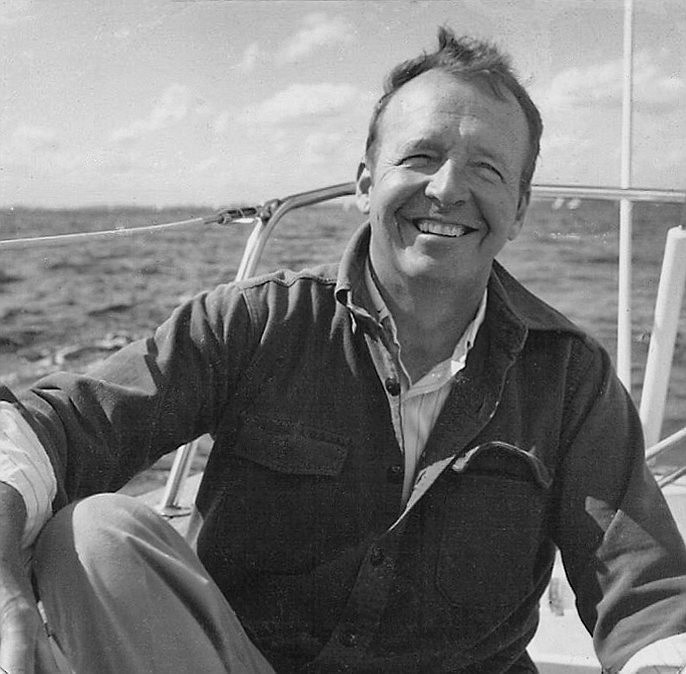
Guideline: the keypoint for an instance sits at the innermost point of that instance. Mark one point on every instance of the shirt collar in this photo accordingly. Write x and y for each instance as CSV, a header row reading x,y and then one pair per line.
x,y
447,368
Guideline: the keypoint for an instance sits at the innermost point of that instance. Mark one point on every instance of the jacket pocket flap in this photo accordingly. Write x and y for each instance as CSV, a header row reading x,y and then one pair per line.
x,y
291,450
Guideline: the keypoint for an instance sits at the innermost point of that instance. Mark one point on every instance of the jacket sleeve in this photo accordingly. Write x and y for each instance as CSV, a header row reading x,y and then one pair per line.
x,y
101,428
622,552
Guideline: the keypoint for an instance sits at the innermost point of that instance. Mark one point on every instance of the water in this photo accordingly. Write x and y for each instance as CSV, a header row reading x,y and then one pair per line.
x,y
63,307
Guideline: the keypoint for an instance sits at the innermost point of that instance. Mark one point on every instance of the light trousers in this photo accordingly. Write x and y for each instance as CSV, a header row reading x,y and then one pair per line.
x,y
123,592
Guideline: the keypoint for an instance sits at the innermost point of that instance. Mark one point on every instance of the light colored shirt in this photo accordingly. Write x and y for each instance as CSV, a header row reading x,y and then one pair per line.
x,y
416,407
25,466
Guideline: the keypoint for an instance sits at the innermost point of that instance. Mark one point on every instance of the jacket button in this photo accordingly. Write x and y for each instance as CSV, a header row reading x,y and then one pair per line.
x,y
376,556
348,638
392,386
394,474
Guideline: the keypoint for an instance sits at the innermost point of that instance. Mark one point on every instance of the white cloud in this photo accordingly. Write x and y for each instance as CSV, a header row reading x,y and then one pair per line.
x,y
299,101
321,146
319,31
39,150
222,122
302,134
656,91
122,33
173,106
15,12
581,111
42,151
27,140
205,165
250,58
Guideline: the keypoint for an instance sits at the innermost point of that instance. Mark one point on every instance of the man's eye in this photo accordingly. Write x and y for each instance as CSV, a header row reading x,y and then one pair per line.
x,y
416,159
489,170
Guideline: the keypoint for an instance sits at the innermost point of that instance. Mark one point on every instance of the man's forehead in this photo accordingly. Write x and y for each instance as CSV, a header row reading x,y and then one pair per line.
x,y
437,91
437,98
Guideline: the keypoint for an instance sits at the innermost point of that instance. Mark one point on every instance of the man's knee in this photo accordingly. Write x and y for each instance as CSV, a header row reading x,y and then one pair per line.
x,y
98,530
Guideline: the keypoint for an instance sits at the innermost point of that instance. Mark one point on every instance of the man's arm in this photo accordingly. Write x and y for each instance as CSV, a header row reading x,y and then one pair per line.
x,y
27,487
24,646
104,426
622,551
25,466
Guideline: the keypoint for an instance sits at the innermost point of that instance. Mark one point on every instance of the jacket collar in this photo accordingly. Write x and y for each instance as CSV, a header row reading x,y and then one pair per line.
x,y
351,288
512,310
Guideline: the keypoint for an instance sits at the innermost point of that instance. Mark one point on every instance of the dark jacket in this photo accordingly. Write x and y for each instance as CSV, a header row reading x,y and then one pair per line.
x,y
537,445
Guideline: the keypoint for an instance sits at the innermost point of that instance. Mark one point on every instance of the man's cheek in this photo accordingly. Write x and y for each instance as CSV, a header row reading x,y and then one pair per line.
x,y
498,214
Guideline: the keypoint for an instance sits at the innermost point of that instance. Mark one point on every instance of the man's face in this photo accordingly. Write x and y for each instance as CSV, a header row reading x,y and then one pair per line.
x,y
442,190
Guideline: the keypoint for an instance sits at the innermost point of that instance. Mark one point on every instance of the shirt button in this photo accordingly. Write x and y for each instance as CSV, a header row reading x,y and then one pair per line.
x,y
376,556
394,474
348,638
392,386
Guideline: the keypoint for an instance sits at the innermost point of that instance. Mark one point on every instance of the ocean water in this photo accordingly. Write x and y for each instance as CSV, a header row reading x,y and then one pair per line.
x,y
64,307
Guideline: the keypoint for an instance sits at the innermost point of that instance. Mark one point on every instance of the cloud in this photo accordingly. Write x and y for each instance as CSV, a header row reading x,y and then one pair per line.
x,y
581,111
320,147
208,164
173,106
252,55
319,31
300,134
42,151
15,12
38,150
656,91
300,101
27,140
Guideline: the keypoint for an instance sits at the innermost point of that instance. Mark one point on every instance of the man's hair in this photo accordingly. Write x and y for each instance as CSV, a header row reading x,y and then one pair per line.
x,y
468,59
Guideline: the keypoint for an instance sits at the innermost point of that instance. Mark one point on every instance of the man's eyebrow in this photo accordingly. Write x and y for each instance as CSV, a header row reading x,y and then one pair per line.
x,y
419,142
489,153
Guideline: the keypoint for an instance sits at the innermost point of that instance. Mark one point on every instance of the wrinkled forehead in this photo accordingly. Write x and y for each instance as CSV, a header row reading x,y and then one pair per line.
x,y
438,102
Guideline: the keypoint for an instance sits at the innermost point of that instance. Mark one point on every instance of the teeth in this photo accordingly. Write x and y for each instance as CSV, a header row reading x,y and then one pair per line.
x,y
444,229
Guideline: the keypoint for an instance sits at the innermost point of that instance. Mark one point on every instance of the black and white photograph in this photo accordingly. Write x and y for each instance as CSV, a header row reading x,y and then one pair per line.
x,y
342,336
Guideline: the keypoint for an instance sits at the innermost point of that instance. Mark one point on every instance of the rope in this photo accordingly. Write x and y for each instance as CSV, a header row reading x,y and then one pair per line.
x,y
63,239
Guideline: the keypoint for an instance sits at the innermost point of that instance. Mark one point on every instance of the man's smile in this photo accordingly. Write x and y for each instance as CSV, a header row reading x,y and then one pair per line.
x,y
441,228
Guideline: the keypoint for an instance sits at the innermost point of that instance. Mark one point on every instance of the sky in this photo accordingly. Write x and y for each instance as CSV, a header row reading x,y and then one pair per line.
x,y
213,102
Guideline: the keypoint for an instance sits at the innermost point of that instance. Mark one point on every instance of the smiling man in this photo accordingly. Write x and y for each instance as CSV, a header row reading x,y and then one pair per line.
x,y
442,185
400,443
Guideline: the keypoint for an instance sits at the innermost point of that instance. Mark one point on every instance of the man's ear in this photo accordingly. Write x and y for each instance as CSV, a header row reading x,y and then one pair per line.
x,y
523,204
363,186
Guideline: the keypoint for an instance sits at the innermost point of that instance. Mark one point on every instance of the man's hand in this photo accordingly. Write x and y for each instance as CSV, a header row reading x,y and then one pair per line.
x,y
24,646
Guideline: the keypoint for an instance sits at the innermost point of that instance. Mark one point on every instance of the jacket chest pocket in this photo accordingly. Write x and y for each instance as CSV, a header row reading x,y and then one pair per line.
x,y
282,497
493,526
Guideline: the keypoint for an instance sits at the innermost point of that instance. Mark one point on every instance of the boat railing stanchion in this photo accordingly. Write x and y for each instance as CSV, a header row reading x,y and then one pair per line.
x,y
663,334
624,320
183,458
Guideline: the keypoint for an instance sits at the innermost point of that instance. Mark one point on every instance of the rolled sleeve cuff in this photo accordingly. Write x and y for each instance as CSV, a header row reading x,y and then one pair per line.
x,y
25,466
667,656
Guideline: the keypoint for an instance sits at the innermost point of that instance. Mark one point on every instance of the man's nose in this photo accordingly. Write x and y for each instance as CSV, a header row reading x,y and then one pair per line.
x,y
448,185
